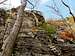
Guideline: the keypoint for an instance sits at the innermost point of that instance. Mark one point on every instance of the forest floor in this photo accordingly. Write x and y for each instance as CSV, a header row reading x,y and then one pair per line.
x,y
40,44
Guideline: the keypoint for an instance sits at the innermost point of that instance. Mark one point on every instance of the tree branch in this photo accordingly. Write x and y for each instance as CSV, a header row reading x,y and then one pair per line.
x,y
56,9
31,4
3,1
69,9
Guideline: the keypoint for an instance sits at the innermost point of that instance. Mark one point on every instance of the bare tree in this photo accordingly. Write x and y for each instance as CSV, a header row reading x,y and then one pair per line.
x,y
69,9
56,9
9,42
73,33
57,12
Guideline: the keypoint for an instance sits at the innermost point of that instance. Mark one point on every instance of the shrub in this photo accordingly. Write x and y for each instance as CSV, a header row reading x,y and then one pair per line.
x,y
51,29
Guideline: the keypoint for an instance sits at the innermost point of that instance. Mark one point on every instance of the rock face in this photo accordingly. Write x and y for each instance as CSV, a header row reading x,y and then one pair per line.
x,y
28,23
30,43
37,43
1,36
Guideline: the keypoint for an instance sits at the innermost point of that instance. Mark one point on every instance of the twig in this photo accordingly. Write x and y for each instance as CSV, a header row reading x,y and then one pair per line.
x,y
31,4
69,9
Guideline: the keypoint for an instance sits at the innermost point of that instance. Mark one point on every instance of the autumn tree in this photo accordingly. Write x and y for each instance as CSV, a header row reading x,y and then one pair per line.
x,y
56,10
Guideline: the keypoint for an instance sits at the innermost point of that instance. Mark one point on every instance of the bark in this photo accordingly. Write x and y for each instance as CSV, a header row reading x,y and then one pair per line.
x,y
9,42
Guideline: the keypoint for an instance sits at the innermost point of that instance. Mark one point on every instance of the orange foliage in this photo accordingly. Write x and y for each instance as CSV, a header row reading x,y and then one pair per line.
x,y
34,29
56,22
66,35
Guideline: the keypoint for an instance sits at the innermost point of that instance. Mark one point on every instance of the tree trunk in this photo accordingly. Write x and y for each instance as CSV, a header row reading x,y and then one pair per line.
x,y
9,42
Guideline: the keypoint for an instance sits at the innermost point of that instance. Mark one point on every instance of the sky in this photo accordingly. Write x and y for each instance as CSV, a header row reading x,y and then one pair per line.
x,y
42,6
